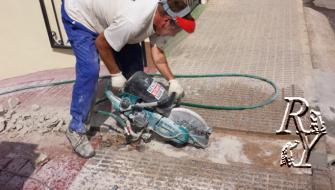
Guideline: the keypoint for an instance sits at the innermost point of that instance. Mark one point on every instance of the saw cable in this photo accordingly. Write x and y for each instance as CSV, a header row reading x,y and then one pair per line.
x,y
188,104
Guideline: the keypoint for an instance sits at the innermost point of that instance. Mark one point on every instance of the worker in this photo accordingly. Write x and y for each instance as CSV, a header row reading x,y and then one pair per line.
x,y
111,30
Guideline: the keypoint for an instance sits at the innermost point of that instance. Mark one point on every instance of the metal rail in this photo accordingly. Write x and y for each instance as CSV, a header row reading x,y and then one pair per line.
x,y
51,16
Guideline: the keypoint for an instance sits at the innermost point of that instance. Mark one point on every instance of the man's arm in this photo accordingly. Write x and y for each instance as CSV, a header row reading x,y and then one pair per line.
x,y
160,62
106,54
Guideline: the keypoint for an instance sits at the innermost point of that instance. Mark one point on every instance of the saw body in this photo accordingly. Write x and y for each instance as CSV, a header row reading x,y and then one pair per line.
x,y
145,110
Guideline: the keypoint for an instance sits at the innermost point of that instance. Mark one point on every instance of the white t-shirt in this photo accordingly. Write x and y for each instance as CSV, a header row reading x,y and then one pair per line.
x,y
122,21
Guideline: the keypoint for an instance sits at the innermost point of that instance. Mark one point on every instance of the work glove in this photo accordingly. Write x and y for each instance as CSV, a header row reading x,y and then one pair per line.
x,y
177,88
118,81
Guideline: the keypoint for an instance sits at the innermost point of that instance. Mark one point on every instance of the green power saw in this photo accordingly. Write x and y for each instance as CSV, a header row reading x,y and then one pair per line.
x,y
144,110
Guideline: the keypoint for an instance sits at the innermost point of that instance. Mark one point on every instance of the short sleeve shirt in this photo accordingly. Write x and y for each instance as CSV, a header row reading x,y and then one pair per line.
x,y
122,21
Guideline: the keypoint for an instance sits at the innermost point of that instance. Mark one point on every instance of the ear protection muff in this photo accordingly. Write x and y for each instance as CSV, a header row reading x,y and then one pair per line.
x,y
187,24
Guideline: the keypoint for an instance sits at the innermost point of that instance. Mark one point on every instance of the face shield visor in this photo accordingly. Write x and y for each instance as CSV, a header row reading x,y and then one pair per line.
x,y
182,19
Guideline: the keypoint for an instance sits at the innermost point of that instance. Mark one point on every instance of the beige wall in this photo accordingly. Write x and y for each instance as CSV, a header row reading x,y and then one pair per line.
x,y
24,41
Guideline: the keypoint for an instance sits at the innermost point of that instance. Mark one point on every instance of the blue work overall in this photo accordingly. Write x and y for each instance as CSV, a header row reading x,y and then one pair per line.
x,y
82,40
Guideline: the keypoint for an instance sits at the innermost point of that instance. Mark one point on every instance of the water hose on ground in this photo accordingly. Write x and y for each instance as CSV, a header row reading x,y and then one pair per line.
x,y
188,104
241,107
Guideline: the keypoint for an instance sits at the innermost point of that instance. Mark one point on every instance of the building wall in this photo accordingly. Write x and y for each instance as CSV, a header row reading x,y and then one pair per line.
x,y
25,46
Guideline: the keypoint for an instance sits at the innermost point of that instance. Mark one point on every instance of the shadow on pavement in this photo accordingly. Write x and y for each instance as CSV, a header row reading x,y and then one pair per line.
x,y
99,120
329,13
16,164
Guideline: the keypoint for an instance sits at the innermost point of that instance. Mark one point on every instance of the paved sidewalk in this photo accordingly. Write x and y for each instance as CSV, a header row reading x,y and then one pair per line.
x,y
147,170
262,37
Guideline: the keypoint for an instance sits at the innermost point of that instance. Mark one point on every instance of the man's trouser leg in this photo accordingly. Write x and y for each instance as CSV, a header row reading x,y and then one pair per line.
x,y
129,59
87,71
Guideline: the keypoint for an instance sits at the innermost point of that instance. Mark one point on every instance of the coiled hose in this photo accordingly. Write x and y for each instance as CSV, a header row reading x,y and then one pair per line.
x,y
188,104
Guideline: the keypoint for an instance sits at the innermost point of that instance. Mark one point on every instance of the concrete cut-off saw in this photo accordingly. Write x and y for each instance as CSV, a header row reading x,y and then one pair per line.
x,y
144,110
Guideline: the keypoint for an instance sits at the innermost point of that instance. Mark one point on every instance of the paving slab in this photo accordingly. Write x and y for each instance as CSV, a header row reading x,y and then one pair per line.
x,y
150,170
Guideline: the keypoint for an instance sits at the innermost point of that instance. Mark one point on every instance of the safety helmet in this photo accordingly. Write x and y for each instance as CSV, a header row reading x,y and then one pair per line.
x,y
183,18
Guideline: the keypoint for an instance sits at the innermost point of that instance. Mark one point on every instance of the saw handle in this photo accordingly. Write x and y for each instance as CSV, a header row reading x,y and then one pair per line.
x,y
167,102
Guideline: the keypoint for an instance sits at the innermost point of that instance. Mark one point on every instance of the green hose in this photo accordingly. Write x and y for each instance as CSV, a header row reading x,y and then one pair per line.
x,y
189,104
42,85
204,106
36,86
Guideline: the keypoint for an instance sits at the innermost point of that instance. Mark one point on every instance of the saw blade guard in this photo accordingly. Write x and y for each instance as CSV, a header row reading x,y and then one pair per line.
x,y
196,125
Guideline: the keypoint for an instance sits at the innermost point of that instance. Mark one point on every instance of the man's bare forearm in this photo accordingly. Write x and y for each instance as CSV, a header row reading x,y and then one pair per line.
x,y
160,62
106,54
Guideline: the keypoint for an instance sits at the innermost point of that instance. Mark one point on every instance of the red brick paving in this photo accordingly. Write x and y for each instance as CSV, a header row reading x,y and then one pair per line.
x,y
57,172
62,165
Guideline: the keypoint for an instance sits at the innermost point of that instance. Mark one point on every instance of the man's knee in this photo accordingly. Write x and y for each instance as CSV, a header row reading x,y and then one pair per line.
x,y
92,73
89,69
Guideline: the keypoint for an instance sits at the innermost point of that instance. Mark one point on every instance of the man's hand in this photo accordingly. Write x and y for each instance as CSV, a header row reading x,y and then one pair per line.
x,y
118,81
177,88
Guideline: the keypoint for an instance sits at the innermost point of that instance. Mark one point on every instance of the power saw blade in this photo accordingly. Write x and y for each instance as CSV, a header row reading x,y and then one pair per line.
x,y
196,125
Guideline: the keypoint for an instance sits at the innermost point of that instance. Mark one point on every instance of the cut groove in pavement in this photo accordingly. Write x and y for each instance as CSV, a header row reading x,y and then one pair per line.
x,y
149,170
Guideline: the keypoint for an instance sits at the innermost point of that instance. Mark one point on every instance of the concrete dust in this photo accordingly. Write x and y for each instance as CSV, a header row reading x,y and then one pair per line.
x,y
319,89
166,149
15,121
228,148
222,150
232,148
2,124
41,159
114,140
13,103
322,93
330,145
2,110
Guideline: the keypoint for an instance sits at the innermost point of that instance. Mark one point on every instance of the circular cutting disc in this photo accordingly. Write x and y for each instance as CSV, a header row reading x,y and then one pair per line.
x,y
196,125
